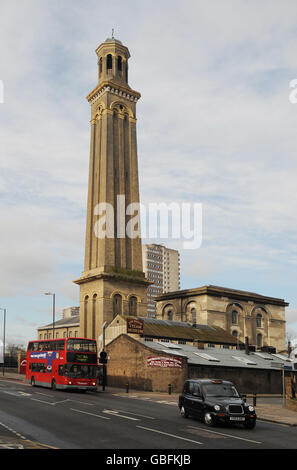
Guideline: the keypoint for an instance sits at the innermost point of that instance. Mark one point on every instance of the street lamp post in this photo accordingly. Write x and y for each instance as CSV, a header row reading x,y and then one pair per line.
x,y
4,324
103,349
54,310
284,385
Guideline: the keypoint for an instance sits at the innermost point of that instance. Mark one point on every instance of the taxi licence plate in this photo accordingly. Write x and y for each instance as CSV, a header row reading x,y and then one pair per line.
x,y
236,418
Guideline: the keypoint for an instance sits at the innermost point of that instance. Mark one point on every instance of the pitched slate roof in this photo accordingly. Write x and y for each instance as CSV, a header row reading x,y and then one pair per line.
x,y
184,331
74,320
219,291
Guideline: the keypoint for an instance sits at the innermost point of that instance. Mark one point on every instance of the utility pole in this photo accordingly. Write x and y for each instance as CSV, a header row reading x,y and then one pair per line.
x,y
4,326
284,385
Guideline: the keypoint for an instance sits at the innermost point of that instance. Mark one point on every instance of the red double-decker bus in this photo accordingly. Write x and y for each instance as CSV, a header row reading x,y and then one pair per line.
x,y
69,363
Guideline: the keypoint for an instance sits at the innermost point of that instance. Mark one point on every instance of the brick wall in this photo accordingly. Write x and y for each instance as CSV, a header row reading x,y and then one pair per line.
x,y
245,380
127,362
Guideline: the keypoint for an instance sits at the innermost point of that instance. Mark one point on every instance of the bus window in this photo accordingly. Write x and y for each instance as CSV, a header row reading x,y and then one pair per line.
x,y
82,345
80,371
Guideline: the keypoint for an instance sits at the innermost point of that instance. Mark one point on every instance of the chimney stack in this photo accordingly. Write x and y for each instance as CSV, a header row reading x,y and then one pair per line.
x,y
197,344
289,348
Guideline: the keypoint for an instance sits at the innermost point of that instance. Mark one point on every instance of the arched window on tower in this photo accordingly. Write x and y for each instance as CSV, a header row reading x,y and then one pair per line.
x,y
100,66
133,306
117,305
94,316
86,299
109,62
120,62
259,320
234,317
259,340
193,316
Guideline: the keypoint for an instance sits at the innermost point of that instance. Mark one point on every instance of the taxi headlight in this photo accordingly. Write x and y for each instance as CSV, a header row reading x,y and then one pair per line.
x,y
251,408
217,407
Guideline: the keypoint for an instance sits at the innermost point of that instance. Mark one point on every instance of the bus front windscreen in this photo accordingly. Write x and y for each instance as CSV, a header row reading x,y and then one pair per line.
x,y
81,345
78,371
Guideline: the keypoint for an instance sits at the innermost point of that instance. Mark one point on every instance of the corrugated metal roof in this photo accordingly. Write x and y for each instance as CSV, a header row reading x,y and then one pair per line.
x,y
221,357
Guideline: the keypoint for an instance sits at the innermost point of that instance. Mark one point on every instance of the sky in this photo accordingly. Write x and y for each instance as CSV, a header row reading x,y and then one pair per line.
x,y
216,125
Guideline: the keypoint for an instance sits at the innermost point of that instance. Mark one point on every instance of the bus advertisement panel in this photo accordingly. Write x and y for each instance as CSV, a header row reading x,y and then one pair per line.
x,y
69,363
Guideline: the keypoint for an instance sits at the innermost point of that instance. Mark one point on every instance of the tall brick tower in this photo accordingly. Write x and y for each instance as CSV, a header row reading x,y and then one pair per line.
x,y
113,280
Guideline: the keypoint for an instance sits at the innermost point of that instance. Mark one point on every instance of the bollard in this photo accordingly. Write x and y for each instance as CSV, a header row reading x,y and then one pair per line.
x,y
254,399
127,387
169,389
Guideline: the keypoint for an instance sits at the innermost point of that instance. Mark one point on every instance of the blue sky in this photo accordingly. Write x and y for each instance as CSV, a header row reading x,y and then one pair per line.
x,y
215,125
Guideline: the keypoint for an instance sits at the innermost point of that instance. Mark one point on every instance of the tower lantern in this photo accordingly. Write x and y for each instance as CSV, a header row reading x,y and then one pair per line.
x,y
113,62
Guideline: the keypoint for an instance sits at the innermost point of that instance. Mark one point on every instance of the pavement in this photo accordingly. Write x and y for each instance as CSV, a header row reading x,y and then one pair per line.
x,y
268,407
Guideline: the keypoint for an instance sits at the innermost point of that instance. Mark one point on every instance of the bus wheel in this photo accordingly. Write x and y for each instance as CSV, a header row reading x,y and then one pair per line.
x,y
32,381
54,385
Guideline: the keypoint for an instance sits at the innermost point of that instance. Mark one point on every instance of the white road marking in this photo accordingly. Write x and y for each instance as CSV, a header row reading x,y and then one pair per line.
x,y
44,394
170,435
226,435
13,431
116,413
135,414
82,402
17,393
91,414
48,403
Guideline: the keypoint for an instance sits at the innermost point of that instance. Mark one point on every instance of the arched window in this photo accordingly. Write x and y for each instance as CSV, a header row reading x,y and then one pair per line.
x,y
94,316
235,333
133,306
193,316
234,317
120,63
100,66
117,305
86,315
170,315
109,62
259,320
259,340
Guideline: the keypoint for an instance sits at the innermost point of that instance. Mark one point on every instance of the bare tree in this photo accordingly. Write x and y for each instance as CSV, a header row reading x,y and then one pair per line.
x,y
13,349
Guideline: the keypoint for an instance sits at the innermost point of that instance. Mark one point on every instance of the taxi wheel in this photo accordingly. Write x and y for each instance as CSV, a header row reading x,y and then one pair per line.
x,y
184,412
207,419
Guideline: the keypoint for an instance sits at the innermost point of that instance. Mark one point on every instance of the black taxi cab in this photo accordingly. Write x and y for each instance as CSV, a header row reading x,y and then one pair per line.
x,y
215,401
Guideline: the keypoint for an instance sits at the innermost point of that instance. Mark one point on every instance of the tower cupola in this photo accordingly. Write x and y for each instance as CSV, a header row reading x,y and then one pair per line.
x,y
113,62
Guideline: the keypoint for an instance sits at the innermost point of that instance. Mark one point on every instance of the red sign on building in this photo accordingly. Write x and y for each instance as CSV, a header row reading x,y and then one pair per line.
x,y
135,325
159,361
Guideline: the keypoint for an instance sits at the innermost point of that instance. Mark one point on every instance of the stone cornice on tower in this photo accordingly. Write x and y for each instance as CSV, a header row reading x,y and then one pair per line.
x,y
116,274
108,86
